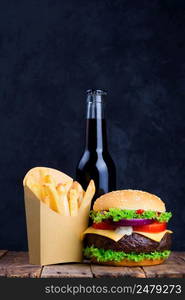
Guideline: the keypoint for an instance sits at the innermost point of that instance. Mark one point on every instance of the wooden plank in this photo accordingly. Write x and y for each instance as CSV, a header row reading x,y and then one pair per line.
x,y
15,264
3,252
108,271
67,270
174,259
174,267
179,255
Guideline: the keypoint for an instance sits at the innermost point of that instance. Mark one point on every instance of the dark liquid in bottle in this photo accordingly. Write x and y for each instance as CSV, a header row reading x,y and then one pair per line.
x,y
96,162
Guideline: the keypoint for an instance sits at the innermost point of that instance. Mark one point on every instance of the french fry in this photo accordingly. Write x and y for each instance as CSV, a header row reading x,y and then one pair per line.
x,y
62,192
89,193
73,202
42,173
67,186
53,196
49,179
45,196
77,186
37,191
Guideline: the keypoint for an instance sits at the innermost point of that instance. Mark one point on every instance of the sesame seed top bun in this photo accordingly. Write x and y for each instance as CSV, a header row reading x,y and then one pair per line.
x,y
129,199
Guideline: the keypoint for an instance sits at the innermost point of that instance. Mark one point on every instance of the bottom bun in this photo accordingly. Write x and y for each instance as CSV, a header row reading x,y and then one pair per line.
x,y
130,263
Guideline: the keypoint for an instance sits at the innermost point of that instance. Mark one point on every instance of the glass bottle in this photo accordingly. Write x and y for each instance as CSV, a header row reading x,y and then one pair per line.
x,y
96,162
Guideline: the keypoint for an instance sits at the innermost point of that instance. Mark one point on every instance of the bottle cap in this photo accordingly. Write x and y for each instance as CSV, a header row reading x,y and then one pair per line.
x,y
95,96
96,92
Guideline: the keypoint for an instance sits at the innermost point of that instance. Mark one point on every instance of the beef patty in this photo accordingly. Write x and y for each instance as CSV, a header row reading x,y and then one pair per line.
x,y
129,243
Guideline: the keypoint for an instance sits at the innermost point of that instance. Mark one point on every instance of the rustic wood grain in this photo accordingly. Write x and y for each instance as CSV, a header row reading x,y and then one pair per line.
x,y
174,258
174,267
179,255
67,270
108,271
15,264
3,252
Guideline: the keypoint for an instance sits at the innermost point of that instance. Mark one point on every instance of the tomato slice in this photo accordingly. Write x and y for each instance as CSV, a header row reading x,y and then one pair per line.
x,y
139,211
103,225
152,228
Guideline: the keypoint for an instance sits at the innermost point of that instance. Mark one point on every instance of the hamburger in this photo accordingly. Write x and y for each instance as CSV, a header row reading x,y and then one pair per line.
x,y
129,228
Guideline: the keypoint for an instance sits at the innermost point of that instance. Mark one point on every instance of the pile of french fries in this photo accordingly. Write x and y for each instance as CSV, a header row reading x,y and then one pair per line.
x,y
65,199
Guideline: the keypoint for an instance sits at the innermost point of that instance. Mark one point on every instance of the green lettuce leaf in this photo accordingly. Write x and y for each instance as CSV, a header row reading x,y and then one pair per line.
x,y
102,255
117,214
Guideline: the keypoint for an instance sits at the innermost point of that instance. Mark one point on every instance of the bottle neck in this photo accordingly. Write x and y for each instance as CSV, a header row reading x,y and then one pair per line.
x,y
95,110
96,139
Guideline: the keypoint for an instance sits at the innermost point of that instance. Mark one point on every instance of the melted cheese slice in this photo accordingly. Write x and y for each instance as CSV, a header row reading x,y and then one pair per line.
x,y
157,237
111,234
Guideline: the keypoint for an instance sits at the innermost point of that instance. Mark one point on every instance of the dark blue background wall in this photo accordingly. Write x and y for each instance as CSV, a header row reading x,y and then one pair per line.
x,y
51,51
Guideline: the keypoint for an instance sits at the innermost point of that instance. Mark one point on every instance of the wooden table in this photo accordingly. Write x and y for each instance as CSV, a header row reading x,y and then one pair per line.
x,y
15,264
